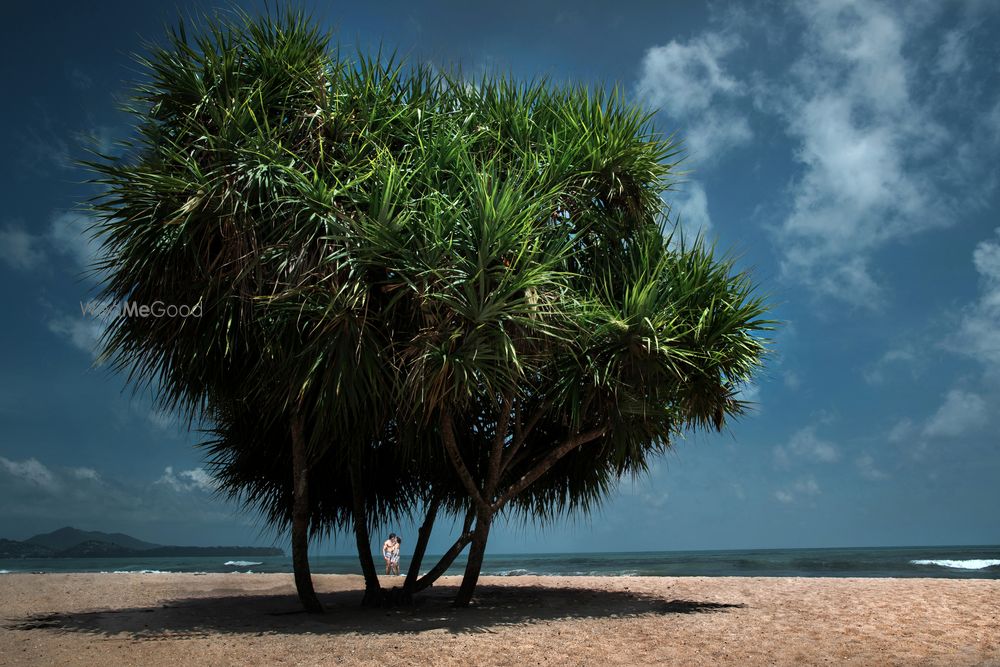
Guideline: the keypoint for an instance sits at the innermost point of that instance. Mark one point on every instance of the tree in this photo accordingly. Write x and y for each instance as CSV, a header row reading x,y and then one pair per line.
x,y
194,211
464,284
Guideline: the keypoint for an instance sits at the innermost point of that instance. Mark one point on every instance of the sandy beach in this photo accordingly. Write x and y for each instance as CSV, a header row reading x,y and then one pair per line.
x,y
182,619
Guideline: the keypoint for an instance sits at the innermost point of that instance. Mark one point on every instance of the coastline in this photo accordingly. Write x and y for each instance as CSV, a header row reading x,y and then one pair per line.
x,y
167,619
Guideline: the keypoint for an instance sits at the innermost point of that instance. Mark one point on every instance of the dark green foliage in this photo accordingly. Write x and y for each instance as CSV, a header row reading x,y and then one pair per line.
x,y
382,247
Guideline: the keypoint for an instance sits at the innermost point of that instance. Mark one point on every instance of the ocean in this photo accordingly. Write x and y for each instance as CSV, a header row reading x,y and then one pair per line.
x,y
960,562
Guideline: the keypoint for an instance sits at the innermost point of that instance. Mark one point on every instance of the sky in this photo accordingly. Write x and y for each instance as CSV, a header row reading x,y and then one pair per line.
x,y
845,152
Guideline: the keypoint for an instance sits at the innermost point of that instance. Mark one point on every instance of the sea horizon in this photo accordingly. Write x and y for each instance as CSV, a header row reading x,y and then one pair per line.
x,y
947,561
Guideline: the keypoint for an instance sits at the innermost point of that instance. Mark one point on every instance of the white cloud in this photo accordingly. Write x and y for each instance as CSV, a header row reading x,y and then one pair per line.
x,y
792,380
33,491
689,82
715,131
84,333
961,413
684,79
66,236
806,446
904,356
85,473
804,487
19,249
187,480
863,139
31,471
979,329
868,469
902,431
952,56
689,208
749,393
162,419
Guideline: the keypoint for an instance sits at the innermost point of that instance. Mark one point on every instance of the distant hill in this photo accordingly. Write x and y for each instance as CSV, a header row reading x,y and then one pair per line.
x,y
15,549
72,543
66,538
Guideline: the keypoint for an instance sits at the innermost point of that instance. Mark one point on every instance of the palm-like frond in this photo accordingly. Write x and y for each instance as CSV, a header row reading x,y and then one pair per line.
x,y
375,244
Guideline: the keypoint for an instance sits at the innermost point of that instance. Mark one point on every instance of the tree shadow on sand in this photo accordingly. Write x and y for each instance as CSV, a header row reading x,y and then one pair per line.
x,y
277,614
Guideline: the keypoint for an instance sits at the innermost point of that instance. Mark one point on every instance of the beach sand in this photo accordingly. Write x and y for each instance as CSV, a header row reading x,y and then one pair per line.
x,y
223,619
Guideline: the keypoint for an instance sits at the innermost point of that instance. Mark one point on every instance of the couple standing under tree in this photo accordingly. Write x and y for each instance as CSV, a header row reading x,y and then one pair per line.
x,y
390,552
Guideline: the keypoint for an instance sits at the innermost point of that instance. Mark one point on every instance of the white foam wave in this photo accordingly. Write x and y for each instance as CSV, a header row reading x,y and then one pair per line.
x,y
513,573
969,564
6,571
136,572
242,563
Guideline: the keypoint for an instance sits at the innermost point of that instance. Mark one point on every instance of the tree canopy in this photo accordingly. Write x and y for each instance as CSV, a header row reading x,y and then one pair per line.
x,y
418,291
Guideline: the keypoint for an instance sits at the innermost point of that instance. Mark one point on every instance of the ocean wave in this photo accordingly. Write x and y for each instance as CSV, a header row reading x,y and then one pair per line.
x,y
970,564
136,572
513,573
242,563
6,571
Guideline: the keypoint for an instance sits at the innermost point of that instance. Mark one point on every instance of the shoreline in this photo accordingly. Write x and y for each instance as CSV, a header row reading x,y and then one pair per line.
x,y
164,619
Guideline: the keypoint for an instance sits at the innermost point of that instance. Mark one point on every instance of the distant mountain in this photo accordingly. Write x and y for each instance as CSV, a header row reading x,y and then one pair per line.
x,y
97,549
214,551
66,538
73,543
14,549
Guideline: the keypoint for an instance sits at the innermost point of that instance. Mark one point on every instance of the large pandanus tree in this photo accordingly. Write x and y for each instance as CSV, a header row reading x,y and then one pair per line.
x,y
410,282
196,213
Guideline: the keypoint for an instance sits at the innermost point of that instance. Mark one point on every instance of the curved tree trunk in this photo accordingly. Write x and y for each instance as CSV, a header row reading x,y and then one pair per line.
x,y
475,563
300,519
373,588
447,559
423,537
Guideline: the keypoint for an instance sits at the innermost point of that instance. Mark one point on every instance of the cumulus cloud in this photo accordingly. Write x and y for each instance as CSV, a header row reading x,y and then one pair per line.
x,y
749,393
81,332
804,487
961,413
20,249
186,481
690,84
904,356
863,105
862,140
805,446
689,209
34,491
952,54
979,330
32,472
85,473
66,235
868,469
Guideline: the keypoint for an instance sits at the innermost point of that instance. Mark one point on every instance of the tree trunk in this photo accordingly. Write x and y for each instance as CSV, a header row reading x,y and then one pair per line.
x,y
300,519
373,589
448,558
475,563
423,536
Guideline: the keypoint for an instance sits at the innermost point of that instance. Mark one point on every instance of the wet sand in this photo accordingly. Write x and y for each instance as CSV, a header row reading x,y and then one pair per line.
x,y
221,619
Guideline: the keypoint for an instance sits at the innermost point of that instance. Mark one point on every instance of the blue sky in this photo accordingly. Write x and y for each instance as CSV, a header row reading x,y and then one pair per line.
x,y
846,152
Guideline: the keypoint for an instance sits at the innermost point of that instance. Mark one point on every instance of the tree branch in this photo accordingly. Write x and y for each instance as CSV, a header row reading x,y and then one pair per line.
x,y
499,438
451,447
446,560
546,463
521,436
